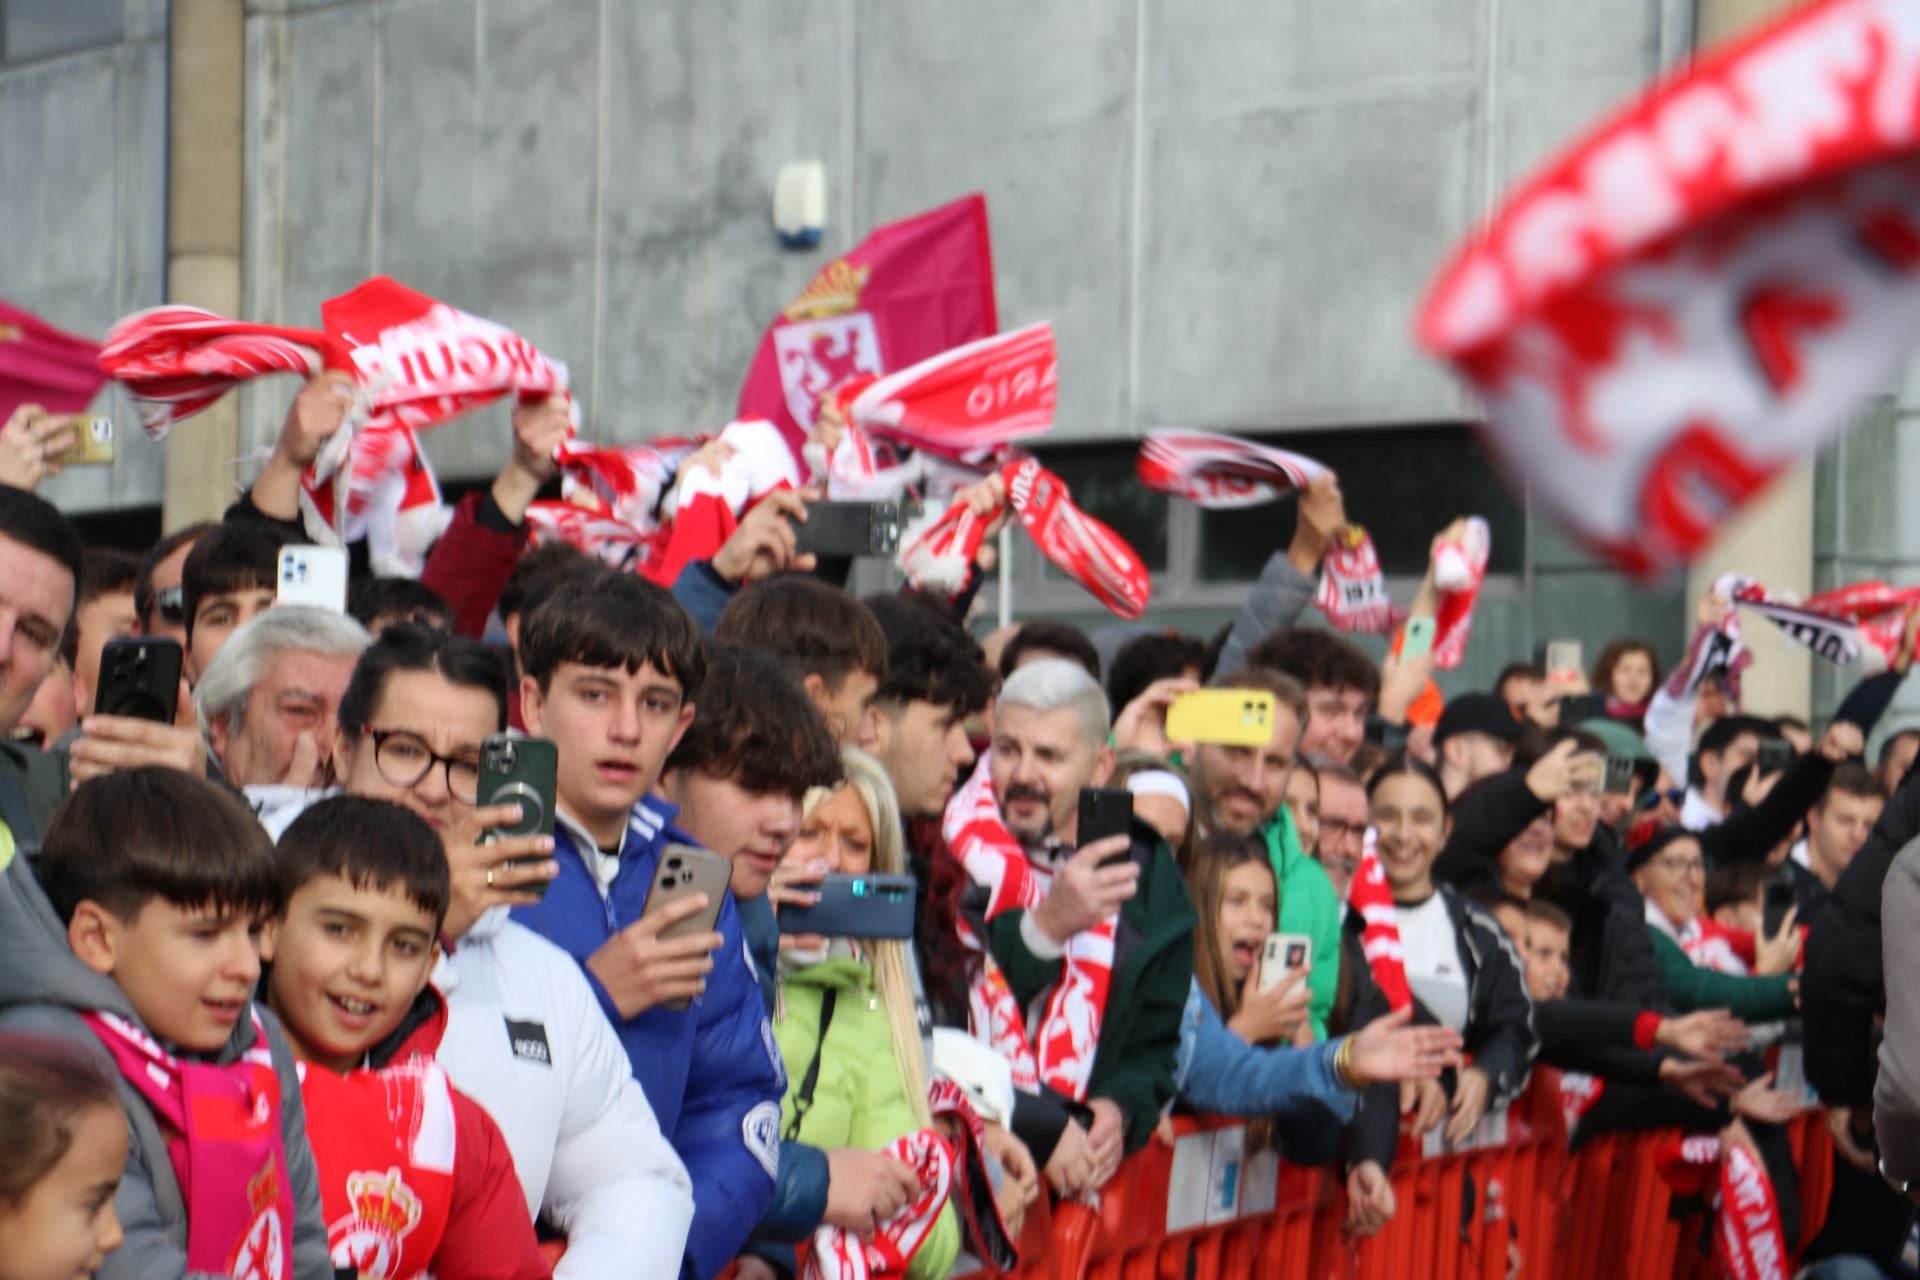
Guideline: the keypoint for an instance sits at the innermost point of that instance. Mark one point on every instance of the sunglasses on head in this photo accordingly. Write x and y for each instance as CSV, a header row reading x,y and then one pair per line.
x,y
170,603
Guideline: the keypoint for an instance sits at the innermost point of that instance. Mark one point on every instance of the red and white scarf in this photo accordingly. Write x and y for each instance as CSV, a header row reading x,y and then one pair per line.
x,y
1082,547
1880,612
1459,567
384,1143
629,481
1221,473
391,499
1748,1243
1061,1054
838,1254
1353,590
1371,896
225,1144
965,403
706,506
612,542
1834,638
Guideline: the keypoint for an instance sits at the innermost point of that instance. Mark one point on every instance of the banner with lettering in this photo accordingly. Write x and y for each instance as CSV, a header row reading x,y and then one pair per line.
x,y
910,290
1693,298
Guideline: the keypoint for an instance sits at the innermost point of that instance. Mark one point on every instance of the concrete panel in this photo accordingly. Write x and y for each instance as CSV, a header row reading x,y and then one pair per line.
x,y
1032,104
1284,253
705,103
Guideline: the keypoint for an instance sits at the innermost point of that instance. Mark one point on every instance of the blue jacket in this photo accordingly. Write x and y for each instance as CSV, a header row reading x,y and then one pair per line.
x,y
703,593
1221,1074
711,1071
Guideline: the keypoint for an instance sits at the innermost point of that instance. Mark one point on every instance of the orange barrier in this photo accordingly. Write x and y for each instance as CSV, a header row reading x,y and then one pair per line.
x,y
1206,1209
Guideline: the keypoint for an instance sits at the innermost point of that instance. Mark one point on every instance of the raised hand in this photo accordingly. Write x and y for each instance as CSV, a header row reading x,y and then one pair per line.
x,y
1390,1048
640,970
1084,893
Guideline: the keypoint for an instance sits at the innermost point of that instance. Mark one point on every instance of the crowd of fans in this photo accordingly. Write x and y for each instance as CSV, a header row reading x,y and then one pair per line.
x,y
277,990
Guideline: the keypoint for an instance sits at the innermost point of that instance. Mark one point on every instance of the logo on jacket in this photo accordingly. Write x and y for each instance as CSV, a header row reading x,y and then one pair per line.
x,y
529,1041
760,1130
382,1210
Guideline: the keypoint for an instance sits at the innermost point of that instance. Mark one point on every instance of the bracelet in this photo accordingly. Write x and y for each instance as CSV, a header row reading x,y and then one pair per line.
x,y
1343,1066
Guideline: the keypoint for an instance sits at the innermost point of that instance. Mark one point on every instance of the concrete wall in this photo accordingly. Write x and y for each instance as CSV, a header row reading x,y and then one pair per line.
x,y
83,152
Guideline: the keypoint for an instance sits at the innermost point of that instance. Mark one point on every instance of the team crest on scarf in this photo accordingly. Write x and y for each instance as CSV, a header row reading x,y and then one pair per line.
x,y
383,1211
262,1251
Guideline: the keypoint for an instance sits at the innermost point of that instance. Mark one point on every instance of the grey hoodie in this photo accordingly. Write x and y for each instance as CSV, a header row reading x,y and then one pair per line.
x,y
42,986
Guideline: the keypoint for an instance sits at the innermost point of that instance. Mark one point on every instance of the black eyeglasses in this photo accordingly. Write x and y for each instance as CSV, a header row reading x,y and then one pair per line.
x,y
171,604
404,758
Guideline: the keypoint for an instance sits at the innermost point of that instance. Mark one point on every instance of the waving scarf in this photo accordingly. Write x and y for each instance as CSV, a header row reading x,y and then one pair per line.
x,y
1353,590
1080,546
630,481
1833,638
1061,1054
612,542
1459,567
1221,473
391,498
225,1146
967,402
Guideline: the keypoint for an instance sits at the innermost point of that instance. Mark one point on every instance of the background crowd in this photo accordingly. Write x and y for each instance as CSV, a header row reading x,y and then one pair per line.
x,y
251,952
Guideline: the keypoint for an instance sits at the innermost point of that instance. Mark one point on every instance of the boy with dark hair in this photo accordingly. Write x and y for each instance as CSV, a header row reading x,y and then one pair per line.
x,y
1342,685
378,603
1036,641
415,1178
829,640
1164,655
1728,745
141,941
936,678
611,665
229,577
103,611
159,599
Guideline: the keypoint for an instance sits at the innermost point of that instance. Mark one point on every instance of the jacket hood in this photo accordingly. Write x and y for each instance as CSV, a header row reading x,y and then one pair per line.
x,y
37,967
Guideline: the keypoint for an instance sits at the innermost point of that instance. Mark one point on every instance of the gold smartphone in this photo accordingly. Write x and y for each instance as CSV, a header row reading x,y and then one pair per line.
x,y
92,441
1229,717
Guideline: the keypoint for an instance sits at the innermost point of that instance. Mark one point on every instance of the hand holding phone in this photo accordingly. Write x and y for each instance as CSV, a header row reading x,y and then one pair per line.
x,y
90,443
662,959
313,575
519,771
1284,953
139,677
1105,812
869,905
1417,641
849,529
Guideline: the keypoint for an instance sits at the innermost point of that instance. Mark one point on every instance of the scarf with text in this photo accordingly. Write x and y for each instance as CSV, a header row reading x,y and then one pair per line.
x,y
1748,1243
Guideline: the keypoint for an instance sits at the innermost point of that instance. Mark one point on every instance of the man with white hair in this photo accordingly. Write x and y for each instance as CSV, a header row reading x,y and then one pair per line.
x,y
1099,942
269,701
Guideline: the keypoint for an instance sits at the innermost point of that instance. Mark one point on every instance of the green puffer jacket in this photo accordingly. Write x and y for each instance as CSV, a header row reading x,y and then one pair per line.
x,y
1308,905
858,1099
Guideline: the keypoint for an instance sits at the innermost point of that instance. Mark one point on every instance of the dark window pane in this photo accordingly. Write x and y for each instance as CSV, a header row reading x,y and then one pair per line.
x,y
39,28
1102,483
1403,483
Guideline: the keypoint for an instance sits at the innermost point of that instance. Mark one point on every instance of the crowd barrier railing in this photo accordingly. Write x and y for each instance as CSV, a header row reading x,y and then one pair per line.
x,y
1205,1208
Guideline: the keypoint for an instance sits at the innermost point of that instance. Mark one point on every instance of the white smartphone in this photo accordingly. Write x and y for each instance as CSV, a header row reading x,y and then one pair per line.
x,y
313,575
1283,953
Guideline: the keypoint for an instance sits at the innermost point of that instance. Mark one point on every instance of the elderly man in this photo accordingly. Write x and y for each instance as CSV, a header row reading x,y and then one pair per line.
x,y
269,702
1113,918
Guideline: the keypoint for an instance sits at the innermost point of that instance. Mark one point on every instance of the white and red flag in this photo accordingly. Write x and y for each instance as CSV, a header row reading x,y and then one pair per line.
x,y
1693,298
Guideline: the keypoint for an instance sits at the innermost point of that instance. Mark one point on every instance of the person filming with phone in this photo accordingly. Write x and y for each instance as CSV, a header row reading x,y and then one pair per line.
x,y
1104,951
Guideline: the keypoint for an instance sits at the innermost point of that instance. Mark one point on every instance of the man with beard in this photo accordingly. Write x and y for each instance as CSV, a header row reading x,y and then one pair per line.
x,y
1105,957
1239,791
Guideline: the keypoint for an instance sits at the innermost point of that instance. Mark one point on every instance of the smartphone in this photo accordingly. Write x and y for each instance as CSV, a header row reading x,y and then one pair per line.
x,y
849,529
1775,754
1391,736
1105,811
139,677
1228,717
1774,906
873,905
1418,640
1562,660
516,770
92,441
683,871
1619,779
313,575
1284,953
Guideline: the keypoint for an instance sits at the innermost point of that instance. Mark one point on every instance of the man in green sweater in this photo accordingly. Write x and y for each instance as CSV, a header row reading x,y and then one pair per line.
x,y
1114,914
1670,871
1241,791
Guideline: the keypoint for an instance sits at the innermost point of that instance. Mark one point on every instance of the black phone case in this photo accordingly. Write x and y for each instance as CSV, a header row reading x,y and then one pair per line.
x,y
871,905
849,529
1105,811
139,677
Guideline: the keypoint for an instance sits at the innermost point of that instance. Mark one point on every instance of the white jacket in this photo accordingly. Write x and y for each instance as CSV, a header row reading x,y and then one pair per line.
x,y
526,1039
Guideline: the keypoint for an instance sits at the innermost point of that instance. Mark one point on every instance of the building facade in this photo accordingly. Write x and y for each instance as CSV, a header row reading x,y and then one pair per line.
x,y
1228,210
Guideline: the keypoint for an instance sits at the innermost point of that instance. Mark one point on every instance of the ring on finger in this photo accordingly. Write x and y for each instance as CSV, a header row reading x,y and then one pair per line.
x,y
489,877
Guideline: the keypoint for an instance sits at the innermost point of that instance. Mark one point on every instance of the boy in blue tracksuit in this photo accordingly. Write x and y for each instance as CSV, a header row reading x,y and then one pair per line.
x,y
611,666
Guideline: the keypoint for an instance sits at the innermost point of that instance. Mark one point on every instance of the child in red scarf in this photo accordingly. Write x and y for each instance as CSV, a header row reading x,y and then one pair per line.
x,y
415,1178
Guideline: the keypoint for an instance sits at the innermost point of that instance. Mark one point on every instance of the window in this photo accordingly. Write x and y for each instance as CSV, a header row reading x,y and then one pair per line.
x,y
32,29
1402,483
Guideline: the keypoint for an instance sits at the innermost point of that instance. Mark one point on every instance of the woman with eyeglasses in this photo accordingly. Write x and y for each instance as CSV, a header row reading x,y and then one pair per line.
x,y
1671,873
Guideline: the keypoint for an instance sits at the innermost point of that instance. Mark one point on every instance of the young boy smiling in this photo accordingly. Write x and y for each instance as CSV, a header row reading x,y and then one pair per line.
x,y
366,893
140,942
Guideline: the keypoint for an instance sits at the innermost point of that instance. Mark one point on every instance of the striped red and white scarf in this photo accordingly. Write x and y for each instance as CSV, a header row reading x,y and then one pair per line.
x,y
1371,896
1061,1054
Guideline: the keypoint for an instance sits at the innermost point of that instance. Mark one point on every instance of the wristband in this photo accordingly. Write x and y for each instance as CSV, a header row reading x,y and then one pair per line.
x,y
1646,1029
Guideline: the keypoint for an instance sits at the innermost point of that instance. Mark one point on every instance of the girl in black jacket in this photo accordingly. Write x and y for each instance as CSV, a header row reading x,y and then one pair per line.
x,y
1462,969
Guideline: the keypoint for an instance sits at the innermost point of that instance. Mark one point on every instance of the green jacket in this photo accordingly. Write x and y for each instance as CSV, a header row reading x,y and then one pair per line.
x,y
1153,967
1691,987
1308,905
858,1099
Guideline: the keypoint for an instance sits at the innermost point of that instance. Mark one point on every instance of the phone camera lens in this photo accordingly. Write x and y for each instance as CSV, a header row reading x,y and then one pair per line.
x,y
686,877
666,882
673,864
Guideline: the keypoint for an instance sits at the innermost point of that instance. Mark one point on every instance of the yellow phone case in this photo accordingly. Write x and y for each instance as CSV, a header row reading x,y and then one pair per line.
x,y
1228,717
92,441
